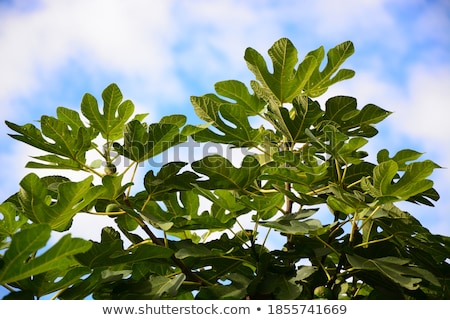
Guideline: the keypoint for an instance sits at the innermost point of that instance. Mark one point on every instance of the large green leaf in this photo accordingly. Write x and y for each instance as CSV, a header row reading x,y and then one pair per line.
x,y
142,142
70,143
349,153
181,211
10,220
163,285
115,114
184,205
85,287
110,252
387,183
53,280
328,139
344,201
396,269
288,167
226,206
71,118
223,175
266,206
18,261
301,198
320,80
237,91
189,250
155,287
168,179
355,172
273,280
72,197
240,133
236,288
100,253
401,157
67,141
52,161
409,233
342,110
285,82
112,187
291,175
155,215
425,197
304,114
296,223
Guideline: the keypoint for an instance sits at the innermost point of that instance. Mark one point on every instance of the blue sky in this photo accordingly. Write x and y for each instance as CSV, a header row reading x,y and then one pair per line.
x,y
162,52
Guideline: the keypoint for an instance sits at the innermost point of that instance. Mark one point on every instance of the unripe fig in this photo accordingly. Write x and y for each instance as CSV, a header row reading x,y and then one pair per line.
x,y
110,169
323,293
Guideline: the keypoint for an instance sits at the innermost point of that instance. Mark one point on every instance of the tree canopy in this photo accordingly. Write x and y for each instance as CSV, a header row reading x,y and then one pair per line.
x,y
299,158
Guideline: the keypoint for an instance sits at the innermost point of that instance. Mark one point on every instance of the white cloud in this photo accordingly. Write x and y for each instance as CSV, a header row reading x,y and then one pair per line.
x,y
213,35
343,16
425,112
423,118
131,40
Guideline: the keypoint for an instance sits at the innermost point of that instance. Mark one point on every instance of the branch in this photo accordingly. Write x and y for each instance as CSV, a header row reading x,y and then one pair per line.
x,y
191,276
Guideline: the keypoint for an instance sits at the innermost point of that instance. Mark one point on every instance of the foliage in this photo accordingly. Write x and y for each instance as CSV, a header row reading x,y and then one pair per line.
x,y
304,179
